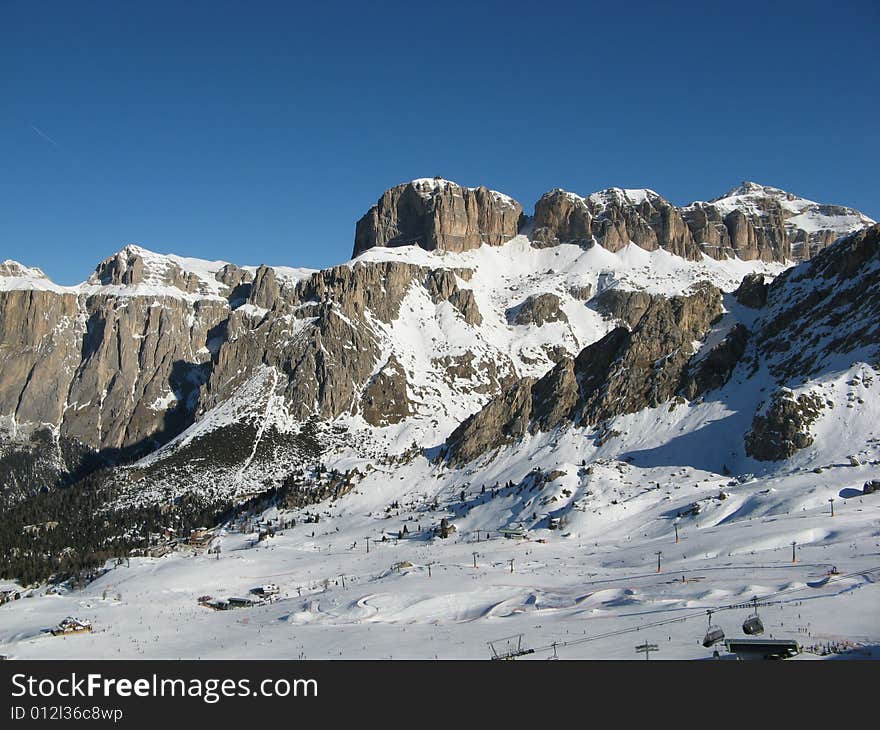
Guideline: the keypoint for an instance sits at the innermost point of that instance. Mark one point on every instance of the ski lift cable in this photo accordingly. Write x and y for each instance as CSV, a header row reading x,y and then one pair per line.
x,y
753,604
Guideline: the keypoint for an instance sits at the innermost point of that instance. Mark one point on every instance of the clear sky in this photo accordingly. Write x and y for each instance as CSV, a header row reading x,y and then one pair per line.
x,y
259,132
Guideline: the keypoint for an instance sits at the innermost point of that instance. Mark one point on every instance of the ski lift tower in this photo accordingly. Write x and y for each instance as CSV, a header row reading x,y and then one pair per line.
x,y
510,647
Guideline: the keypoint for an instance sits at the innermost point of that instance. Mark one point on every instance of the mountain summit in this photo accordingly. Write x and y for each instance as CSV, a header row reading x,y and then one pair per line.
x,y
462,334
751,221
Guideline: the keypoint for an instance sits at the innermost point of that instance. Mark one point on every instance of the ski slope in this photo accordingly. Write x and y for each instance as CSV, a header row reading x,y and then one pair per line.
x,y
591,587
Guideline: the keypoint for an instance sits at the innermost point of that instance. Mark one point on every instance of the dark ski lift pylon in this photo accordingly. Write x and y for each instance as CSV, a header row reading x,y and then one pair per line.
x,y
714,634
752,625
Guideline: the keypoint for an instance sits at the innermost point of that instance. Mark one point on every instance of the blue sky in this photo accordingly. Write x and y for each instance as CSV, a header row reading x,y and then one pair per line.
x,y
260,132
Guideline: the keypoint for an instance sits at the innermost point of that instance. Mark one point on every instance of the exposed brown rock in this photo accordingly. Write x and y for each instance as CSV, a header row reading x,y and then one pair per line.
x,y
784,429
623,372
644,218
752,291
584,292
438,215
751,222
39,350
384,400
265,290
715,369
442,287
505,419
626,305
822,308
561,217
763,224
537,309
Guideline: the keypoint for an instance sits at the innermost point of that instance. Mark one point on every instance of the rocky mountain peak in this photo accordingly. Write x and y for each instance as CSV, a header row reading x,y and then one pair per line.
x,y
125,267
166,274
15,270
623,196
751,221
749,187
438,214
613,218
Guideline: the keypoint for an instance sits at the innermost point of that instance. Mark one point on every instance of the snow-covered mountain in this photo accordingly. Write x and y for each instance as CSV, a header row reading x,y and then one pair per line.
x,y
772,221
405,338
466,351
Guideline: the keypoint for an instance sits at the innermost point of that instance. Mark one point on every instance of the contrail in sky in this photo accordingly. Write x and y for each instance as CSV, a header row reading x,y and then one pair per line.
x,y
45,136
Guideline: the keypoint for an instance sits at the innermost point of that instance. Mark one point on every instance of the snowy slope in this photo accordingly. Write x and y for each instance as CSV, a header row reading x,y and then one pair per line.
x,y
591,586
452,367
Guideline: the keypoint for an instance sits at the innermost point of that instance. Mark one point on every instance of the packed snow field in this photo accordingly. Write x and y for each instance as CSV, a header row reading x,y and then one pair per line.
x,y
590,586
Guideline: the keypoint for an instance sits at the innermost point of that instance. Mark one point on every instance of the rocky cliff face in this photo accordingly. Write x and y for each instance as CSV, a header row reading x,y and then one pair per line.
x,y
641,217
112,364
783,428
153,345
820,316
823,309
121,364
627,370
755,221
437,214
751,222
562,217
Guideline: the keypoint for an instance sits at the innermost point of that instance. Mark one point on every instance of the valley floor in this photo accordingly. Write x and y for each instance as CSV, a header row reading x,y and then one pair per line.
x,y
591,587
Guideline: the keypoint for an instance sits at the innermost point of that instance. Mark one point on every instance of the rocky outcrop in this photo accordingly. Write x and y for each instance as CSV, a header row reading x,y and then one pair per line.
x,y
437,214
783,429
625,305
823,308
537,309
442,287
233,277
463,300
641,217
384,400
583,292
561,217
624,372
124,362
107,373
751,240
113,367
328,359
40,342
134,265
142,363
265,291
750,222
755,221
714,370
377,286
503,420
752,291
709,230
648,364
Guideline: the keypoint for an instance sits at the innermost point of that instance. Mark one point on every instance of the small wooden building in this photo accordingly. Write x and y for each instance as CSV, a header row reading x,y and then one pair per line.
x,y
72,625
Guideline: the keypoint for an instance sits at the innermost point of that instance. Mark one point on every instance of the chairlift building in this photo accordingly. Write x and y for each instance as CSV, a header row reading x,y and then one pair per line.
x,y
763,648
